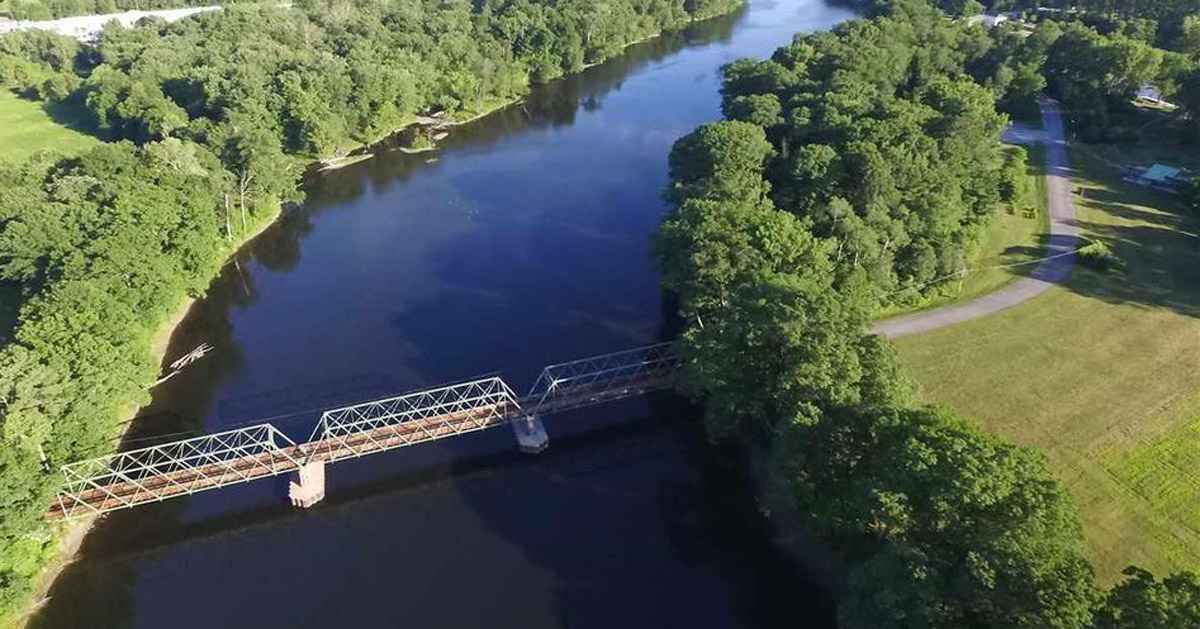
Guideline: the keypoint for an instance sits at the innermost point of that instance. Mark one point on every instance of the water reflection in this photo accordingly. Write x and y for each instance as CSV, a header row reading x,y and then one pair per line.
x,y
525,243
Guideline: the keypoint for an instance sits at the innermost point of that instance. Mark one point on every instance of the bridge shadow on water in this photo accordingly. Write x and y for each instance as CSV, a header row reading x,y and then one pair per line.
x,y
636,524
651,527
631,522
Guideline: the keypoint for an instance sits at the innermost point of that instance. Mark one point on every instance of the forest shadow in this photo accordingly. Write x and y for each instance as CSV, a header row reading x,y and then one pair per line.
x,y
73,114
11,299
1154,241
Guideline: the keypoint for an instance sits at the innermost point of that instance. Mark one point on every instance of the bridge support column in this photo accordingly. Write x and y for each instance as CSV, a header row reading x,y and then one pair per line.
x,y
309,488
531,434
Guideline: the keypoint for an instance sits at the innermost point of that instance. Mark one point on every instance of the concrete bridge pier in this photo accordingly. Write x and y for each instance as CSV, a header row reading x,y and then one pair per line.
x,y
309,488
531,434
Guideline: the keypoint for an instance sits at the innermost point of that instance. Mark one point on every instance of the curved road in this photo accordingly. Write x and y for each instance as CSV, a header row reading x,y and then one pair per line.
x,y
1064,239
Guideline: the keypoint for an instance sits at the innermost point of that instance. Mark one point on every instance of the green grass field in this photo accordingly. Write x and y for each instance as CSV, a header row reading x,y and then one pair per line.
x,y
27,126
1102,375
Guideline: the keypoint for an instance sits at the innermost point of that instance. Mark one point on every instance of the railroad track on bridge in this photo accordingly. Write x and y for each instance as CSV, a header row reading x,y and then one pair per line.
x,y
189,466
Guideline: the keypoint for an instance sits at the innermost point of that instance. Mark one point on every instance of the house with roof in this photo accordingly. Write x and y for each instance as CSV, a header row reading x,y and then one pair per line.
x,y
1162,177
1153,95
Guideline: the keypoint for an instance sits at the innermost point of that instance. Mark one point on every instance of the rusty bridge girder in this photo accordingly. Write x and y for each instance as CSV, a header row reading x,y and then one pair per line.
x,y
188,466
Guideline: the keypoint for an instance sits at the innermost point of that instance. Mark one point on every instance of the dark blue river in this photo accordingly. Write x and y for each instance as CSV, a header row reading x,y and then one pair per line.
x,y
523,241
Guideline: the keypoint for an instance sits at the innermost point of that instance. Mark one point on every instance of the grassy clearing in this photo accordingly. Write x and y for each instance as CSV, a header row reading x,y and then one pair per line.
x,y
1102,374
1013,238
28,126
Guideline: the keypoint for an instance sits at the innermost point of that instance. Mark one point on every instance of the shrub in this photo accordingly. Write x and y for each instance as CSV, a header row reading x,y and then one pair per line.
x,y
1098,256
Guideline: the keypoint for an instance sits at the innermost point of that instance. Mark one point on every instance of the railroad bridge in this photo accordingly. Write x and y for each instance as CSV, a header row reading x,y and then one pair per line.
x,y
188,466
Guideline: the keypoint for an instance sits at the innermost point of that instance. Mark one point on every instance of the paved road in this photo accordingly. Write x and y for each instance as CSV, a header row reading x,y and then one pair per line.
x,y
1064,238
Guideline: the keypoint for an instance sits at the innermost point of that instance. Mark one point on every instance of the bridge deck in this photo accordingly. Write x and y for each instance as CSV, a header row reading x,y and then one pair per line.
x,y
157,487
188,481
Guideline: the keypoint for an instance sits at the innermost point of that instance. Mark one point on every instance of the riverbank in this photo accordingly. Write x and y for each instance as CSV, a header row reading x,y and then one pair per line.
x,y
499,258
367,150
71,534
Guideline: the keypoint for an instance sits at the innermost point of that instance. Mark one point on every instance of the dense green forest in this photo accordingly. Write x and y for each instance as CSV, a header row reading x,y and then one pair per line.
x,y
853,167
1097,73
1168,24
212,120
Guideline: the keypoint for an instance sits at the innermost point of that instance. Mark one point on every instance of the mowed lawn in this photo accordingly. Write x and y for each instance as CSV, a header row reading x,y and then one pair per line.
x,y
1102,375
27,127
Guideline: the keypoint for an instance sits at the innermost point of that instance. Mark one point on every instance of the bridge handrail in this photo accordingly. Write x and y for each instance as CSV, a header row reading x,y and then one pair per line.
x,y
144,467
134,458
195,464
634,362
464,396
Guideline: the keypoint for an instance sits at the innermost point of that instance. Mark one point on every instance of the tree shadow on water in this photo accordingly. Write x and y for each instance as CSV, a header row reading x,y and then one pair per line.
x,y
640,525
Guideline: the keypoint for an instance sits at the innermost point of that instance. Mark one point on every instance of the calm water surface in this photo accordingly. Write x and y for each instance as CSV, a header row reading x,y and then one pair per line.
x,y
525,242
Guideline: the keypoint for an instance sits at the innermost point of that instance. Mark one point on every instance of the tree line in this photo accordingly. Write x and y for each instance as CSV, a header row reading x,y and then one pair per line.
x,y
850,168
1096,74
1094,59
212,120
1161,21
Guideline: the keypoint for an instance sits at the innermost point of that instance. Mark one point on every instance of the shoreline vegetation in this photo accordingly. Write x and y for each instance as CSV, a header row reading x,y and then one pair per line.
x,y
71,535
232,153
855,170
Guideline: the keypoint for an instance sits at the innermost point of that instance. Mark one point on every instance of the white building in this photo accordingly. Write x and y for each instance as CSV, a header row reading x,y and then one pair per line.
x,y
88,27
988,21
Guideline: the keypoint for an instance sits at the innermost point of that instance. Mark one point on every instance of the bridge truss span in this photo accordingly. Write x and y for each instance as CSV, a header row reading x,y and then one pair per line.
x,y
600,379
189,466
412,418
156,473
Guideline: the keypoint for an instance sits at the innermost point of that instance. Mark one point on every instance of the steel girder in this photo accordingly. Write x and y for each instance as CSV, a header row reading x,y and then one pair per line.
x,y
164,471
192,465
412,418
603,378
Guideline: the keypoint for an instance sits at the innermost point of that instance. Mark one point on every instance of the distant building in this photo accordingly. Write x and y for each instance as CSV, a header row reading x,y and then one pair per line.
x,y
1152,94
88,27
1162,177
988,21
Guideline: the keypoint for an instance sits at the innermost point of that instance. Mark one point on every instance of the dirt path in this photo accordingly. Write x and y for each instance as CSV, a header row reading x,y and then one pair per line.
x,y
1064,238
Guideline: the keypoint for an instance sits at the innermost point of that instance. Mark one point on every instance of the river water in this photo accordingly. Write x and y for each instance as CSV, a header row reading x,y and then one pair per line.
x,y
523,241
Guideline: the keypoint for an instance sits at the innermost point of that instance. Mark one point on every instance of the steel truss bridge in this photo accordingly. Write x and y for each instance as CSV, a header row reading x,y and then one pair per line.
x,y
185,467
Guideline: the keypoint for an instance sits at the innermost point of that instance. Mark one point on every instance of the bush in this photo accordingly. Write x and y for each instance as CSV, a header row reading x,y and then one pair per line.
x,y
1098,256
